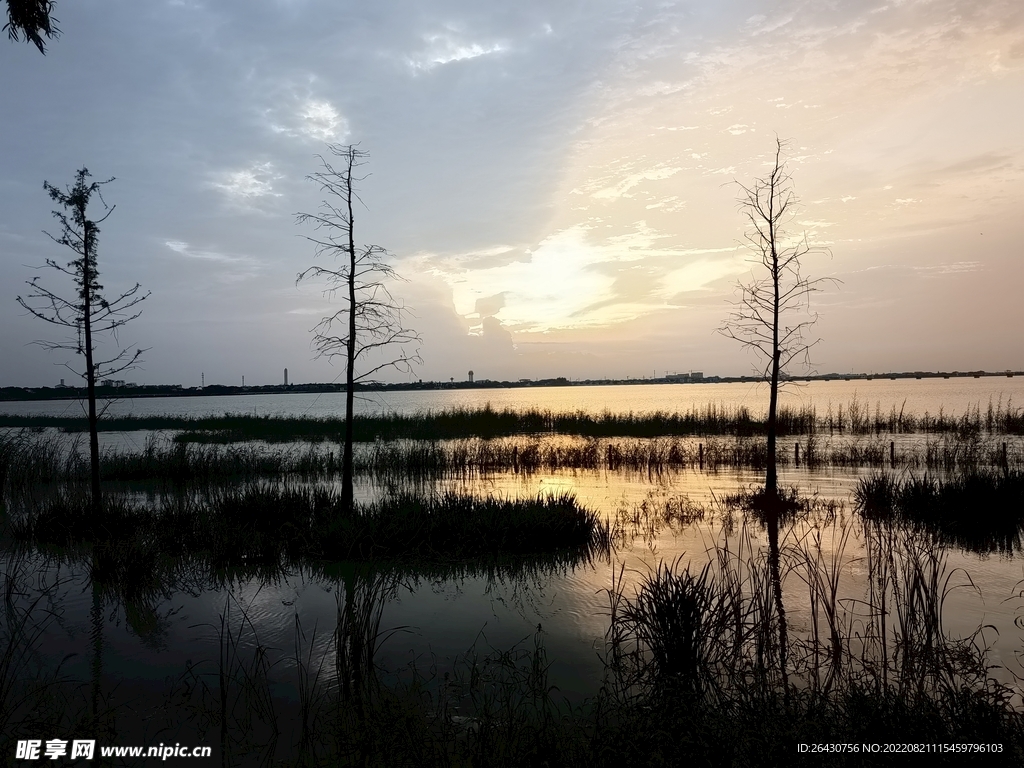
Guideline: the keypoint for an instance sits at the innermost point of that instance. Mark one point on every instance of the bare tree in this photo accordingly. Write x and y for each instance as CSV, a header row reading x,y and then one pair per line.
x,y
32,19
773,315
88,313
372,335
772,319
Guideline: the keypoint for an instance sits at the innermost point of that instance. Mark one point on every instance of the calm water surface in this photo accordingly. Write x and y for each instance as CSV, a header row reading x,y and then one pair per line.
x,y
952,396
444,618
146,647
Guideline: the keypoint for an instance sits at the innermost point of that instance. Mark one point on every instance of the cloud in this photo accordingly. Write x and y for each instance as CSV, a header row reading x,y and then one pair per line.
x,y
985,162
928,270
490,305
248,184
572,282
482,119
621,189
316,119
321,121
760,25
618,184
482,258
670,204
956,268
447,47
241,266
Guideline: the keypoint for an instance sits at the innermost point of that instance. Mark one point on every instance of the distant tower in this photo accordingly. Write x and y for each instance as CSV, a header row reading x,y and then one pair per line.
x,y
203,379
243,381
286,377
470,377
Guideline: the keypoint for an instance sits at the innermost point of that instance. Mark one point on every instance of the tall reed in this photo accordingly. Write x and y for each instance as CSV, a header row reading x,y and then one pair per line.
x,y
856,418
978,510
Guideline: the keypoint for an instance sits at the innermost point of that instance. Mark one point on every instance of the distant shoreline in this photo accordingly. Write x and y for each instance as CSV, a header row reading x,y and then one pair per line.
x,y
30,394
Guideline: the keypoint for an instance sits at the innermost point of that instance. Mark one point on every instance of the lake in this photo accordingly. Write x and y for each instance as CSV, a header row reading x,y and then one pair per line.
x,y
954,396
146,649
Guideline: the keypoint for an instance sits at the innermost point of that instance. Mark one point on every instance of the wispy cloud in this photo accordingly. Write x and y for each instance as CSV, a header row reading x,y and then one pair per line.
x,y
311,118
248,184
953,268
622,188
449,46
612,278
241,265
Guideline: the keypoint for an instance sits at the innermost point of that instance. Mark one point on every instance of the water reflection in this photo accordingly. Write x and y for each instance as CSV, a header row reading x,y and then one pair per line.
x,y
954,396
263,647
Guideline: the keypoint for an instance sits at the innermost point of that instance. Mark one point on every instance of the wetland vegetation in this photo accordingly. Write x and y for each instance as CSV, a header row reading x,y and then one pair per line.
x,y
853,418
691,660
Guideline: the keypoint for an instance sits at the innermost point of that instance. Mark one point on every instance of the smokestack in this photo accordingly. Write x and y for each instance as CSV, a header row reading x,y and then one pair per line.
x,y
286,377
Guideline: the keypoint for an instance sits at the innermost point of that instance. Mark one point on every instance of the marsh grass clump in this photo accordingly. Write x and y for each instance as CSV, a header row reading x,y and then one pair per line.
x,y
685,624
485,422
29,459
271,523
35,697
229,701
404,525
653,515
61,517
461,526
788,504
30,462
695,662
190,464
979,510
449,424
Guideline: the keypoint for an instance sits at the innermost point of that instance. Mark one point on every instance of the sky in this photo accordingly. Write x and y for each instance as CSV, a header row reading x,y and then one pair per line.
x,y
557,183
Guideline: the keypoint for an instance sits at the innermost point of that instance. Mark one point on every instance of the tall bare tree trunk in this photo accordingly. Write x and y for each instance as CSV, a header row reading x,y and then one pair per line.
x,y
90,369
771,480
347,494
374,317
764,322
89,314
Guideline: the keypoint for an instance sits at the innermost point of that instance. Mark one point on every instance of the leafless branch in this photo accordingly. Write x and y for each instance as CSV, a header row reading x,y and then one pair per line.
x,y
772,314
370,323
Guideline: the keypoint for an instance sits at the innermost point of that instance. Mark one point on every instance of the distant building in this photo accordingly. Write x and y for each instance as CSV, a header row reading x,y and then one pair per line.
x,y
286,377
685,378
470,377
